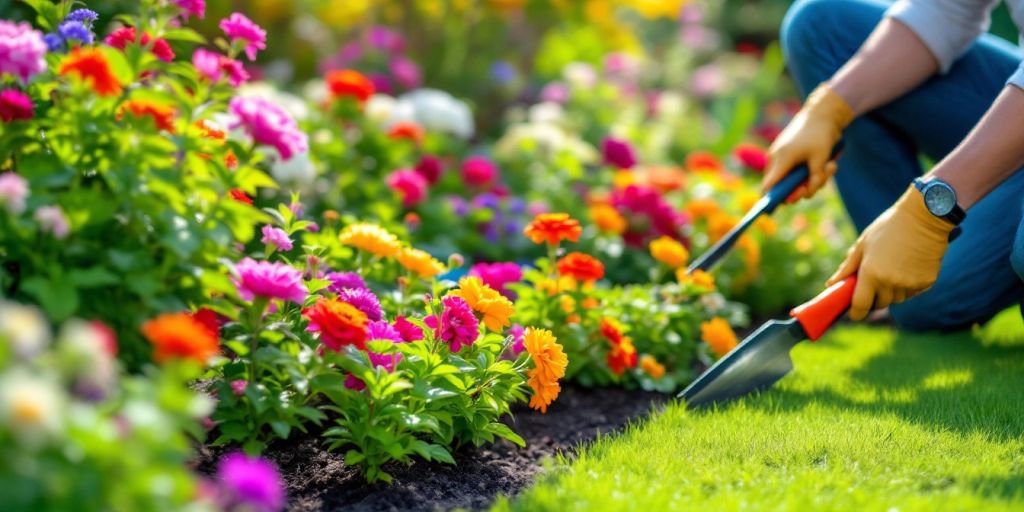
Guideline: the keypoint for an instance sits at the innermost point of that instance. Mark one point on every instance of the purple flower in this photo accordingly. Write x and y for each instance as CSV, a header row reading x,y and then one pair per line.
x,y
345,280
267,123
618,152
51,219
15,106
405,72
54,43
271,280
503,72
250,483
75,31
85,16
239,28
22,50
458,325
364,300
497,275
385,39
276,238
381,330
189,8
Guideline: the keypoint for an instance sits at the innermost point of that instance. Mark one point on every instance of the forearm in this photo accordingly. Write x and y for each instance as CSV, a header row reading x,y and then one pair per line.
x,y
992,152
891,62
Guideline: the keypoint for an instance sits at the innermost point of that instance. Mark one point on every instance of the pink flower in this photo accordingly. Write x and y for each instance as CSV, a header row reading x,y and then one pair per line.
x,y
517,332
408,330
189,8
270,280
386,361
618,152
15,106
458,325
22,50
431,168
405,72
239,28
276,238
497,275
478,171
238,386
213,66
648,213
364,300
555,92
386,39
752,156
410,185
51,219
707,80
13,192
382,330
250,483
123,36
342,280
267,123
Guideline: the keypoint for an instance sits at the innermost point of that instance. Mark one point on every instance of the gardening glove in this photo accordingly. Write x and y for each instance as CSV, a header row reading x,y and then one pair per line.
x,y
809,139
897,257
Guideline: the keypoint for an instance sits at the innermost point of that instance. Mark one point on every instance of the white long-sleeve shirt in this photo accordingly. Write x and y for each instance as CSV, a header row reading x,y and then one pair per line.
x,y
949,27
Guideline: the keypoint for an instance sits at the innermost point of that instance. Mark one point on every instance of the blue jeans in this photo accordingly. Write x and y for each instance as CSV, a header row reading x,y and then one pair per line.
x,y
982,270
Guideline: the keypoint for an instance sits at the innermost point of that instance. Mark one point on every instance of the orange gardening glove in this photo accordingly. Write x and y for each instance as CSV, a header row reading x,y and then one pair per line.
x,y
809,138
897,257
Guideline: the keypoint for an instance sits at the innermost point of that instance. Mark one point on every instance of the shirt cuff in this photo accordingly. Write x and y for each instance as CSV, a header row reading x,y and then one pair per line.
x,y
1017,78
946,38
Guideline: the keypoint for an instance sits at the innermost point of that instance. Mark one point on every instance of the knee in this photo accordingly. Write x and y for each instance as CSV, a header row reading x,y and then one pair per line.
x,y
804,33
933,312
1017,255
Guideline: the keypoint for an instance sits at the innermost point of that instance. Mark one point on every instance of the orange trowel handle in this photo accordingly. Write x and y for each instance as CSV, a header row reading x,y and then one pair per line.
x,y
819,313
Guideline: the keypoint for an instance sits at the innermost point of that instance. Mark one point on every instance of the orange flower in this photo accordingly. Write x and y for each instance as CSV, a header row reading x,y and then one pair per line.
x,y
651,366
698,278
406,130
611,330
767,225
622,356
162,115
703,161
669,251
339,323
350,84
567,303
549,361
702,208
495,307
209,131
563,284
552,228
590,303
582,267
662,179
419,262
718,335
370,238
180,336
91,66
720,224
608,219
751,253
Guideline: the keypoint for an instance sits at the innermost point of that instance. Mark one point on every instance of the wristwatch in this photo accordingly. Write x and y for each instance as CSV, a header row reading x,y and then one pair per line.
x,y
940,199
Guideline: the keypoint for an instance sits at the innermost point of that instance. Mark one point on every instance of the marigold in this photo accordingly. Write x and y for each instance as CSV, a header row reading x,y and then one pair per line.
x,y
622,356
608,219
495,307
552,228
703,161
371,238
652,367
582,267
563,284
718,335
406,130
720,224
549,362
702,208
91,66
350,84
669,251
419,262
180,336
161,114
339,323
767,225
567,303
698,278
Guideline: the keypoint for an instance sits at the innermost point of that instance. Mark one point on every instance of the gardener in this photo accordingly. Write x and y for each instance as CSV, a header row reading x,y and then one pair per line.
x,y
896,82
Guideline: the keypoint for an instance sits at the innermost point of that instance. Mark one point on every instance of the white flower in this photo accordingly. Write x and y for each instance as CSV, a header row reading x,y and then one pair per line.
x,y
31,406
316,91
24,328
437,110
291,103
298,171
580,75
547,112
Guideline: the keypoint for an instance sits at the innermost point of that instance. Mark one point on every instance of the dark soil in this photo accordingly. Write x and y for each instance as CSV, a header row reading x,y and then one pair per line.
x,y
319,480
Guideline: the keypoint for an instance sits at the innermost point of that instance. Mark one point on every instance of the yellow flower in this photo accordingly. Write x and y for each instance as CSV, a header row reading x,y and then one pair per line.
x,y
653,9
669,251
608,219
623,178
371,238
419,262
652,367
552,287
720,224
495,307
698,278
567,303
702,208
549,361
747,199
718,335
751,253
767,225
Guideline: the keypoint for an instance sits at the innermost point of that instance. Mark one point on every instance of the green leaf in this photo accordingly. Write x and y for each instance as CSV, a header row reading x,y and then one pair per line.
x,y
184,34
502,430
281,428
92,277
59,300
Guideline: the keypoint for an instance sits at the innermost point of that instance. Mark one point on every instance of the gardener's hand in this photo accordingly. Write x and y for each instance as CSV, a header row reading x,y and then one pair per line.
x,y
897,257
809,138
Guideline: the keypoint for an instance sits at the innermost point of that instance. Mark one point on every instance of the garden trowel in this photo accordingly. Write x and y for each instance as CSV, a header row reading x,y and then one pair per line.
x,y
763,358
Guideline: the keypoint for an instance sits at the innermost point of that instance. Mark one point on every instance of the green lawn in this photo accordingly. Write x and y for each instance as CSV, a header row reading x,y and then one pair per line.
x,y
871,419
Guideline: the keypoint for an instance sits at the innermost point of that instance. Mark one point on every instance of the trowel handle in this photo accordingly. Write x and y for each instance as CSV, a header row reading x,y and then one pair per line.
x,y
790,182
819,313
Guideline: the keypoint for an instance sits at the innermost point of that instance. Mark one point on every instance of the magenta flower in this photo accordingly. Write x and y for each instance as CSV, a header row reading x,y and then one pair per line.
x,y
555,92
431,168
408,330
250,483
409,184
649,214
386,361
51,219
238,386
458,326
270,280
239,28
618,152
13,192
497,275
386,39
189,8
276,238
213,66
364,300
22,50
478,171
267,123
15,106
382,330
405,72
342,280
517,332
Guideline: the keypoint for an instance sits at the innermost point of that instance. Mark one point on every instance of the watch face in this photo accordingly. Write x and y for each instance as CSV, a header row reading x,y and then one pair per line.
x,y
939,198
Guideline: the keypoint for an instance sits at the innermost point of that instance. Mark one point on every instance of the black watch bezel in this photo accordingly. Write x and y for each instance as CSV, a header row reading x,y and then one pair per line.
x,y
956,214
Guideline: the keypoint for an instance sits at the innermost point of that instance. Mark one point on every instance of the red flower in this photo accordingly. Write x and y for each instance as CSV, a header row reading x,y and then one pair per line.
x,y
241,197
15,106
752,156
581,267
349,83
121,37
406,130
339,323
90,65
162,115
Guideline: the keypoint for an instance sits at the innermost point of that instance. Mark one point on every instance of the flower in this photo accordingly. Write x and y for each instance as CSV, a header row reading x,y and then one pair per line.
x,y
90,65
22,50
581,267
342,280
495,308
408,330
478,171
382,330
31,406
419,262
190,8
405,72
121,37
209,319
268,123
410,185
549,362
718,335
238,386
270,280
669,251
53,41
161,114
497,275
458,325
518,334
386,361
347,83
51,219
180,336
82,16
212,66
71,30
339,323
552,228
238,28
608,219
276,238
13,192
407,130
703,161
24,329
698,278
720,224
364,300
702,208
239,195
370,238
621,356
752,156
250,483
385,39
430,168
652,367
618,152
649,214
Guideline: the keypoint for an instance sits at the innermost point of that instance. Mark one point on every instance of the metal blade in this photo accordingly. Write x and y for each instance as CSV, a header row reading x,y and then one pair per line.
x,y
755,364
